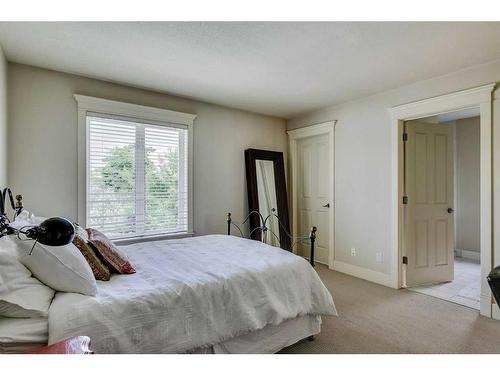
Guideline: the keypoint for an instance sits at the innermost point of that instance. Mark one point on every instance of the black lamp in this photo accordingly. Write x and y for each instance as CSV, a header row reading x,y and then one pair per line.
x,y
56,231
494,281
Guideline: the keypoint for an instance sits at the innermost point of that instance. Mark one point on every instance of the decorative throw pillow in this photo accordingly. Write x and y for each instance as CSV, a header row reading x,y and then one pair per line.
x,y
114,258
99,269
63,268
21,295
81,232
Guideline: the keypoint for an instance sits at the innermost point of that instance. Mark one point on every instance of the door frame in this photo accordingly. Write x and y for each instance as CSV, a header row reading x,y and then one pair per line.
x,y
325,128
476,97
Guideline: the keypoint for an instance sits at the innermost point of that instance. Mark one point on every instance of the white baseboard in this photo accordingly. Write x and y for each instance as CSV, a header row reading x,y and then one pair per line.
x,y
495,312
467,254
364,273
488,309
316,261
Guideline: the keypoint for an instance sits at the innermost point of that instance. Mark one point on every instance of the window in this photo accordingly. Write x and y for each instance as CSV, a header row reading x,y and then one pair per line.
x,y
137,174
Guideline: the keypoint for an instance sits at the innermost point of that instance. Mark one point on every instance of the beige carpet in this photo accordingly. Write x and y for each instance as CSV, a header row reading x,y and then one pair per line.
x,y
376,319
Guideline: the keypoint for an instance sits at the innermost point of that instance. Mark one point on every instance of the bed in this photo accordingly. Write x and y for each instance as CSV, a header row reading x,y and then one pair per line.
x,y
215,293
18,335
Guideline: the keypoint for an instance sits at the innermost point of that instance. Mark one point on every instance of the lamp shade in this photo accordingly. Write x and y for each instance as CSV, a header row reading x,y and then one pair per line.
x,y
56,231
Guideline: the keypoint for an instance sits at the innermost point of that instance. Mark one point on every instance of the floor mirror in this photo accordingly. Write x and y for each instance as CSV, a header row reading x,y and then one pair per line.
x,y
266,186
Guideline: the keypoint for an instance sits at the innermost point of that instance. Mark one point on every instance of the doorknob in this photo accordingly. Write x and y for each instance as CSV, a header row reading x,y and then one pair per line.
x,y
450,210
327,205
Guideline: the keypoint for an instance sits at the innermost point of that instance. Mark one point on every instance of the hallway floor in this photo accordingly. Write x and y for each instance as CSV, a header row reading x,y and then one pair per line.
x,y
464,290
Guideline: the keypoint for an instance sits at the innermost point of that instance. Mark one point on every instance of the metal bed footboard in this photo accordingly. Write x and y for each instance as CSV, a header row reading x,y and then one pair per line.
x,y
266,231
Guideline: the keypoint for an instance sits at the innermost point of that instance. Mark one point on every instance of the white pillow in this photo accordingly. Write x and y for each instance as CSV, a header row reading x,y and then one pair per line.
x,y
21,296
63,268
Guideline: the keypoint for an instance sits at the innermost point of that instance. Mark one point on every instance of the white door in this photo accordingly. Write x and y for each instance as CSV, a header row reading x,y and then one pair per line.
x,y
314,179
429,211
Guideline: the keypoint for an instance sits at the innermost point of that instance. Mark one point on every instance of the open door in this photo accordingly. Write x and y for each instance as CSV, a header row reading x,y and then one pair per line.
x,y
429,218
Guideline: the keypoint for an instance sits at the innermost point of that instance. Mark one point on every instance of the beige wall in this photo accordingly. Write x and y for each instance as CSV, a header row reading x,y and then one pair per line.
x,y
363,163
467,234
3,120
43,143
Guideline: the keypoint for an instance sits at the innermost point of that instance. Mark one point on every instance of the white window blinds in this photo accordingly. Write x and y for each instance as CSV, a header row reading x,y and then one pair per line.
x,y
137,177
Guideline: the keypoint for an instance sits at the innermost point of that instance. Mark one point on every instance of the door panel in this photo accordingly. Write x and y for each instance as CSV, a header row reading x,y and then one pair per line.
x,y
422,243
421,168
429,186
323,159
441,242
441,163
315,174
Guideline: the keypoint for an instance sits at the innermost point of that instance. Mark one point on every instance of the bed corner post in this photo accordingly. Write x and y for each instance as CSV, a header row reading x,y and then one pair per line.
x,y
229,223
19,205
312,237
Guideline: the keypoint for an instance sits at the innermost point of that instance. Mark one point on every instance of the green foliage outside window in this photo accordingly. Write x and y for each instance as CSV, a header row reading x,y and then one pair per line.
x,y
114,188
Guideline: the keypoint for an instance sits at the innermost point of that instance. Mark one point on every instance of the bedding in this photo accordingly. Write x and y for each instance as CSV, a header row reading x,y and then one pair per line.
x,y
21,295
21,335
191,293
271,338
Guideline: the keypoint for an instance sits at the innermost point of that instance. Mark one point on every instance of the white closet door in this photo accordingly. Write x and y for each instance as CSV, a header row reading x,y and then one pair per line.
x,y
315,176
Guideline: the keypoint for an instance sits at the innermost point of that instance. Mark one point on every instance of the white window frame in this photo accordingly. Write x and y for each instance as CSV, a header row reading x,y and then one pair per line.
x,y
91,105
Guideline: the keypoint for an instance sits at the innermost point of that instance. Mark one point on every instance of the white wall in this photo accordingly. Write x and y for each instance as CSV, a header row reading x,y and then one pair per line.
x,y
3,120
467,159
43,143
363,163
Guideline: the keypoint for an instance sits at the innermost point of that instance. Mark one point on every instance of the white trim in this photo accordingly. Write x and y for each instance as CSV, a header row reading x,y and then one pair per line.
x,y
111,107
495,311
316,261
363,273
476,97
306,132
468,254
160,237
443,104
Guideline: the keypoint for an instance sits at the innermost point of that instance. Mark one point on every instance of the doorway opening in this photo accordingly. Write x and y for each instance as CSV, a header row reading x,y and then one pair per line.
x,y
471,98
442,209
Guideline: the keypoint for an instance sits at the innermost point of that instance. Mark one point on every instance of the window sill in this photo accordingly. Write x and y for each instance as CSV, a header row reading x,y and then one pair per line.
x,y
157,237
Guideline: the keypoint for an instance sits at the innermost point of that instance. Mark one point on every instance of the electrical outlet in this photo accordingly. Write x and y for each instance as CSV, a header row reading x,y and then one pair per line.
x,y
353,252
380,257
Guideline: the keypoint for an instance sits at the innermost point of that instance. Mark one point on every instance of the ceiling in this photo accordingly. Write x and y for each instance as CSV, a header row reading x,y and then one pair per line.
x,y
459,115
280,69
452,116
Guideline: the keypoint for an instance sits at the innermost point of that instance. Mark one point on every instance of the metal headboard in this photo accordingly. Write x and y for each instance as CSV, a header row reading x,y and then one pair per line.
x,y
266,231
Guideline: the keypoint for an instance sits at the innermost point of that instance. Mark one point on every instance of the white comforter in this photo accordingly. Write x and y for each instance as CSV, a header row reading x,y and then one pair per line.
x,y
191,293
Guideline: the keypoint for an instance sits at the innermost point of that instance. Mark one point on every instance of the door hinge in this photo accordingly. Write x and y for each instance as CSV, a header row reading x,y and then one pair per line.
x,y
405,260
405,199
405,137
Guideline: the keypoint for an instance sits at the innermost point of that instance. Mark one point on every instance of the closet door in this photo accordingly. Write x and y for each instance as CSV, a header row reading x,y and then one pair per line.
x,y
314,179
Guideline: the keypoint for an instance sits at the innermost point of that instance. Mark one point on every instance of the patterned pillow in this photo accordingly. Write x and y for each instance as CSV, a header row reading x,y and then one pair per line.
x,y
112,256
99,269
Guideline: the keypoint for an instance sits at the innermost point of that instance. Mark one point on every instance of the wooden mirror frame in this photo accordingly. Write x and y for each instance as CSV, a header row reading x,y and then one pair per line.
x,y
251,155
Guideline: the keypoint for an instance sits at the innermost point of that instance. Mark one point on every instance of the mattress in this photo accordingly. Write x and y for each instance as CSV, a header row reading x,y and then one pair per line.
x,y
191,293
19,335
